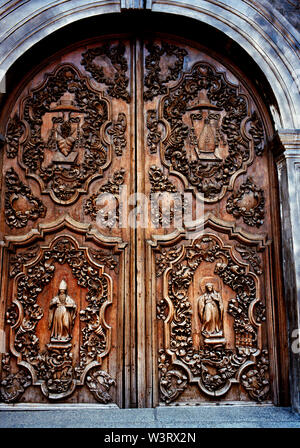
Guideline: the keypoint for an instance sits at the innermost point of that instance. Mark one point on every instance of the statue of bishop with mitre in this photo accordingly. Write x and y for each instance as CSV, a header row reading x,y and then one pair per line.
x,y
62,314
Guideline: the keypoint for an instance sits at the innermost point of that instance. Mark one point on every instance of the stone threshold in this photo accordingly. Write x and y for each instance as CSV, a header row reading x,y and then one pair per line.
x,y
97,416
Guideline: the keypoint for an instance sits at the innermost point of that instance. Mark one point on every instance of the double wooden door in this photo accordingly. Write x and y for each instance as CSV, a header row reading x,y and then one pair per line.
x,y
140,253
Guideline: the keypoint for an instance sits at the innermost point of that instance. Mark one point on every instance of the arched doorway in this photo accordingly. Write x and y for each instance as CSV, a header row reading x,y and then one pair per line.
x,y
141,230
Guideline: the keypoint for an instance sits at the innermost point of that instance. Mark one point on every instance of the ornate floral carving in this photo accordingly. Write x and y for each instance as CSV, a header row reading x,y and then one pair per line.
x,y
99,383
212,366
67,157
172,382
112,186
205,142
166,257
103,257
257,133
53,366
255,380
248,202
154,80
244,329
161,184
15,190
18,260
117,131
251,256
117,85
13,385
15,130
154,136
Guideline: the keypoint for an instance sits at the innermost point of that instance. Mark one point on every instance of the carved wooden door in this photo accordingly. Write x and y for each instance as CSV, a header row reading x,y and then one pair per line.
x,y
139,228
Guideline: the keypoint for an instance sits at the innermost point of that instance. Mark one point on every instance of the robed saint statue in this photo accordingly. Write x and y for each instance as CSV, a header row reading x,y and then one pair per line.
x,y
62,314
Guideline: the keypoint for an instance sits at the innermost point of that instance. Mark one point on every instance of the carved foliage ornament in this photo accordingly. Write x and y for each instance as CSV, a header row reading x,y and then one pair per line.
x,y
212,366
76,148
51,365
117,85
106,217
155,134
117,131
154,80
248,202
212,135
164,209
15,190
14,132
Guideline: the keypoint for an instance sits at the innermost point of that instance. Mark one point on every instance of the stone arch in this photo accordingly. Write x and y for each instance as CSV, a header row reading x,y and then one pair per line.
x,y
262,32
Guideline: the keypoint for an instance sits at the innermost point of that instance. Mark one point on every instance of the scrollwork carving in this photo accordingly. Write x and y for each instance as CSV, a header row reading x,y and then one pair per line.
x,y
15,130
15,190
117,85
165,258
154,136
211,365
160,184
112,186
117,131
17,261
154,80
257,133
13,386
104,257
256,380
251,256
99,383
248,202
172,382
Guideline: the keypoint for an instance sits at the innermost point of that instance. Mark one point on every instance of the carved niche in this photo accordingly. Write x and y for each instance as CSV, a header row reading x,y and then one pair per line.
x,y
58,341
211,314
64,134
204,126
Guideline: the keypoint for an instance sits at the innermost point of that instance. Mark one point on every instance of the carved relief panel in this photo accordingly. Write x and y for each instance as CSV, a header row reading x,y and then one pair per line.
x,y
68,130
139,228
211,242
59,335
211,316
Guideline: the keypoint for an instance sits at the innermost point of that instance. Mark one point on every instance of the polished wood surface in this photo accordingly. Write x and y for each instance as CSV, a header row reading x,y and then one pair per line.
x,y
105,296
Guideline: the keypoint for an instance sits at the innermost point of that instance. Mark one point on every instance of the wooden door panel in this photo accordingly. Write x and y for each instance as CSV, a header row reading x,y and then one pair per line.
x,y
139,230
69,140
209,280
